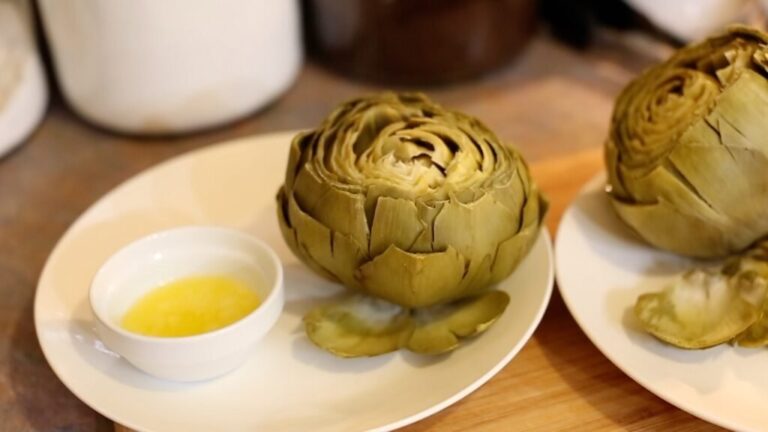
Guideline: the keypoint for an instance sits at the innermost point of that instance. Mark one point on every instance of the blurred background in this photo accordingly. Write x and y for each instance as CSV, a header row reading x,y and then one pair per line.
x,y
94,91
150,68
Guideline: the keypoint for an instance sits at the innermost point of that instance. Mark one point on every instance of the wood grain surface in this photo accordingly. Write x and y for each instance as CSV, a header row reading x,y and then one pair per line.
x,y
553,103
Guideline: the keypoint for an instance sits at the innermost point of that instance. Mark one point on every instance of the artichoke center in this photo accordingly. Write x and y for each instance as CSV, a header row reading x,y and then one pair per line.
x,y
418,157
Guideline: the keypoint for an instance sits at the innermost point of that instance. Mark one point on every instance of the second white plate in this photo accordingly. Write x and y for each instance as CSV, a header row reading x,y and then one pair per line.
x,y
288,384
601,269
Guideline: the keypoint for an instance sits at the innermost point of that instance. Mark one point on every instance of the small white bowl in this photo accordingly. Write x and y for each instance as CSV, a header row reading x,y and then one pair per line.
x,y
169,255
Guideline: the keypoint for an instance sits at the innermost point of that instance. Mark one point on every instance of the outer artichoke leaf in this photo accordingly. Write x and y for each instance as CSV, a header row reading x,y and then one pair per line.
x,y
671,229
513,250
734,150
427,213
613,170
335,208
395,222
477,278
756,336
410,279
755,264
333,252
359,326
702,308
438,329
517,187
745,106
295,155
289,234
667,183
543,207
474,227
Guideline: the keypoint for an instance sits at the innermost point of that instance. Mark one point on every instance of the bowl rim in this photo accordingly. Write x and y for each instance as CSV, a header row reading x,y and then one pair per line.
x,y
275,290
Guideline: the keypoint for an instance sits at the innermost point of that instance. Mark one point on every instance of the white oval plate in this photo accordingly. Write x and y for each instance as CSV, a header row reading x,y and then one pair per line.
x,y
288,384
601,269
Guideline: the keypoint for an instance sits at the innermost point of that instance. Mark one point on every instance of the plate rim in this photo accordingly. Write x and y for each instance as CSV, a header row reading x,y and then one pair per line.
x,y
589,185
547,291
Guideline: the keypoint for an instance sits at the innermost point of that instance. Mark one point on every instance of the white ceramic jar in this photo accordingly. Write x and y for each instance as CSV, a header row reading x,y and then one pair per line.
x,y
691,20
156,67
23,89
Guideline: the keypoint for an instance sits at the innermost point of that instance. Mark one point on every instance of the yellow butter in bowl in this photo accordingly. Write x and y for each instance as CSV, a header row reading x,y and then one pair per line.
x,y
191,306
188,303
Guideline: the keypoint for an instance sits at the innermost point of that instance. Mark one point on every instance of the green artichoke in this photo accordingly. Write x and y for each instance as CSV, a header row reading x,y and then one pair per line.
x,y
687,154
414,205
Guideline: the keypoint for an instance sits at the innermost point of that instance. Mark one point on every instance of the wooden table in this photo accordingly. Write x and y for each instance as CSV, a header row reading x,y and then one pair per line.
x,y
552,102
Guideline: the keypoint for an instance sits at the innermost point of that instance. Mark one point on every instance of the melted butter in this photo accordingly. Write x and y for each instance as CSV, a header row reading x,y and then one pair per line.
x,y
190,306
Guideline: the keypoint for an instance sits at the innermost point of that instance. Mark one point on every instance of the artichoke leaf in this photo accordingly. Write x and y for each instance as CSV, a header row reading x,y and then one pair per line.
x,y
745,105
475,230
427,214
297,156
673,227
704,150
409,279
474,227
755,262
335,208
513,250
395,222
439,329
359,326
477,277
703,308
289,235
667,183
331,251
756,336
514,192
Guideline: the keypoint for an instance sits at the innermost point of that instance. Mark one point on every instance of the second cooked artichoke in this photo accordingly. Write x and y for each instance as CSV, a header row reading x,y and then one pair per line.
x,y
687,154
402,200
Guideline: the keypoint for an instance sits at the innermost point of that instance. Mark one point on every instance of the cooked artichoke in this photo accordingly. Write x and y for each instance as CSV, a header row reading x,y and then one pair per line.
x,y
400,199
687,154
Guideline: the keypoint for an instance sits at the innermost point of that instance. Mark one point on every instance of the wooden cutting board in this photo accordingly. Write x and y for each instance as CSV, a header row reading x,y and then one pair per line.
x,y
559,381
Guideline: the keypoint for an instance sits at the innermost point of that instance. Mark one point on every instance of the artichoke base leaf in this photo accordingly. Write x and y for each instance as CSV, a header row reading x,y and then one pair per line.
x,y
361,325
440,328
755,264
756,335
703,308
